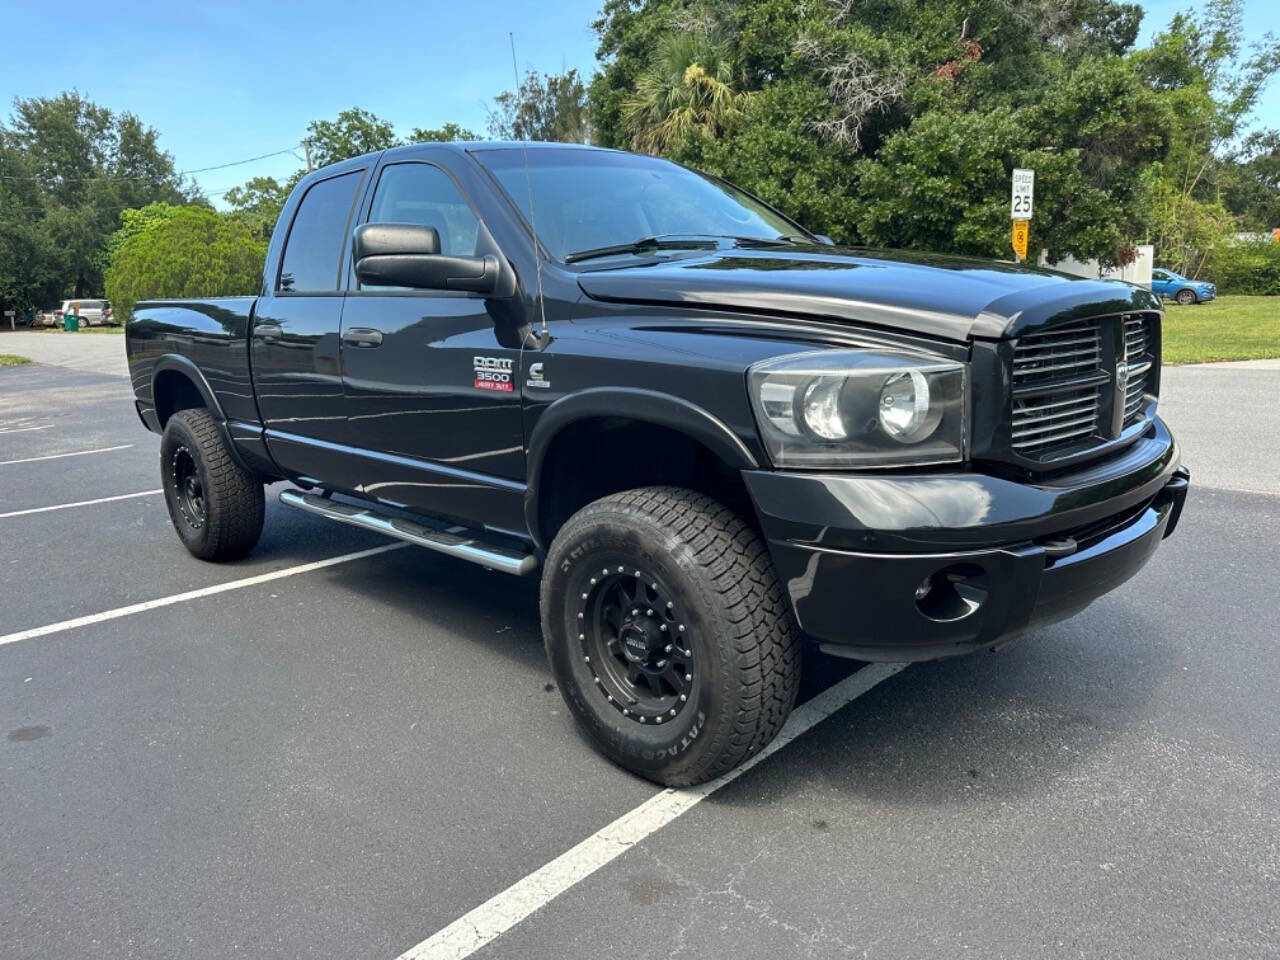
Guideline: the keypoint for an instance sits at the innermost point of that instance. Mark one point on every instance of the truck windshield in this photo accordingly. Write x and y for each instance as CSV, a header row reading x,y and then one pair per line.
x,y
592,201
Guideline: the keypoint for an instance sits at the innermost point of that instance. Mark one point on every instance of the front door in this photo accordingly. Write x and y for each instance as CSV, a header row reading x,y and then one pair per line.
x,y
432,399
296,359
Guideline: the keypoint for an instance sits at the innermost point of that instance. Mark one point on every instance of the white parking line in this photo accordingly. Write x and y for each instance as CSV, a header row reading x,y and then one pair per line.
x,y
490,920
78,503
26,429
194,594
75,453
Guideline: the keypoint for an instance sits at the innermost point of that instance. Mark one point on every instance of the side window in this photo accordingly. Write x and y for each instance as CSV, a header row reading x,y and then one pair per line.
x,y
423,194
316,239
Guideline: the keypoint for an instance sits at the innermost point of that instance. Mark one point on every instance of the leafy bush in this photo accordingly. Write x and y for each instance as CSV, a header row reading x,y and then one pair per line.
x,y
166,251
1251,267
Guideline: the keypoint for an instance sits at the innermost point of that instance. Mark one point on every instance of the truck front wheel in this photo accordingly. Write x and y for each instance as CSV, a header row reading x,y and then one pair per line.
x,y
669,634
216,506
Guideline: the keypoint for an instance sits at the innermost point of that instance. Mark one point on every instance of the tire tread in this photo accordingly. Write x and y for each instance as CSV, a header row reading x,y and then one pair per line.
x,y
235,498
762,632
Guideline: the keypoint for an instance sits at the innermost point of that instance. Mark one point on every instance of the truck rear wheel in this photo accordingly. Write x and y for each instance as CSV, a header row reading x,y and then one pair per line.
x,y
669,634
216,506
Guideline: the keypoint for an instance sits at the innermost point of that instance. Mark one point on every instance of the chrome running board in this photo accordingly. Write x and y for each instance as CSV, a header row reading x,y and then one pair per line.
x,y
455,542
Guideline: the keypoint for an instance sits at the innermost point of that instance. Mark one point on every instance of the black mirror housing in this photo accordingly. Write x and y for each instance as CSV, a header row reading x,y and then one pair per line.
x,y
391,239
408,255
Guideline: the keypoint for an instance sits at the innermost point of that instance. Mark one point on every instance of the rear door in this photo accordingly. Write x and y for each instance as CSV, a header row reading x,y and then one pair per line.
x,y
295,338
431,395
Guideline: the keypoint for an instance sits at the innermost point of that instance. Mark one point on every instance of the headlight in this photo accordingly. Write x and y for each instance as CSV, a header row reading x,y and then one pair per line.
x,y
859,408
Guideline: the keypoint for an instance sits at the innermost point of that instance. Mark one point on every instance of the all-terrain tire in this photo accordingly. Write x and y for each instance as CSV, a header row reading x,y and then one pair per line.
x,y
712,582
216,506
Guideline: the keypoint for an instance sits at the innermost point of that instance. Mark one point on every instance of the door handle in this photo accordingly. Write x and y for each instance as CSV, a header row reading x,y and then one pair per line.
x,y
362,337
268,331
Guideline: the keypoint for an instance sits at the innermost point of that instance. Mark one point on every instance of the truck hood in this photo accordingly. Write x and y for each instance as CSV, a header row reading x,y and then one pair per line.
x,y
946,297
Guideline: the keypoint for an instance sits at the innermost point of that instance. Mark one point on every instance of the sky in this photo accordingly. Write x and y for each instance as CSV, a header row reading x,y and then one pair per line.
x,y
228,81
225,81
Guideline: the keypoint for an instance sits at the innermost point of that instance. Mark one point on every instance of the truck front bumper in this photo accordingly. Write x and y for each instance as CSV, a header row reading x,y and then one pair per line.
x,y
926,565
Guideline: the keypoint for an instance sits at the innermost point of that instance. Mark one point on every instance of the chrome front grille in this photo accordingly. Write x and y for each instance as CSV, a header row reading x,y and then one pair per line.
x,y
1046,421
1080,384
1137,357
1056,419
1058,353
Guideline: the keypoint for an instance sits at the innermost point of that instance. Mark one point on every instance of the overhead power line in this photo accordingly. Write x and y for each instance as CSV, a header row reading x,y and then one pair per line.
x,y
237,163
180,173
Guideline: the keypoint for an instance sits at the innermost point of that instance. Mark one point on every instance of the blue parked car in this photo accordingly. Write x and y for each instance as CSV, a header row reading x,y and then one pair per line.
x,y
1173,286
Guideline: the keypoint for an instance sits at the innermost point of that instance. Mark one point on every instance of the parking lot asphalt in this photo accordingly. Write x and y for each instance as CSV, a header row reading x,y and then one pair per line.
x,y
90,352
345,760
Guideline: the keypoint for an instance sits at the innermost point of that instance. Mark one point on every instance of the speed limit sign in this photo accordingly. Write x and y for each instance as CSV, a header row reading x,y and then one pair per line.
x,y
1024,187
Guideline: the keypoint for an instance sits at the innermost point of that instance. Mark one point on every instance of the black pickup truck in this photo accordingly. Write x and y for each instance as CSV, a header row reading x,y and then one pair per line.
x,y
716,435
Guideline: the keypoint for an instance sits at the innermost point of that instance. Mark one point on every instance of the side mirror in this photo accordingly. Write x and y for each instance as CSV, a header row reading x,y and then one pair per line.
x,y
408,255
825,240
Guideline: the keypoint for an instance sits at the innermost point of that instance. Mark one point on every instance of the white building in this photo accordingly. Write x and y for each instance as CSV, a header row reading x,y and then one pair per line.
x,y
1137,272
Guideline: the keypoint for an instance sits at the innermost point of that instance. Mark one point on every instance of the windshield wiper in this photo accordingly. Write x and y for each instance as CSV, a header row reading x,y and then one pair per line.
x,y
709,241
687,240
788,238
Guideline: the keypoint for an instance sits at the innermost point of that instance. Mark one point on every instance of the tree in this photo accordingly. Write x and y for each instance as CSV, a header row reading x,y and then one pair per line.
x,y
550,108
899,123
449,133
352,133
1251,185
1207,83
687,90
29,273
181,251
257,204
69,168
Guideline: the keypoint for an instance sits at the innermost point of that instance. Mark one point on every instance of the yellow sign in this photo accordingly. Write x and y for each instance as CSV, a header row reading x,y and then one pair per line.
x,y
1020,228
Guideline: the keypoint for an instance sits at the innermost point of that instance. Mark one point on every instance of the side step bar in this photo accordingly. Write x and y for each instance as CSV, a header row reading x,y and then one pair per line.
x,y
455,541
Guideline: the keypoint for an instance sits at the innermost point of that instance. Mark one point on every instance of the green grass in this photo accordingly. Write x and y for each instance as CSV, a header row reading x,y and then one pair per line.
x,y
1229,328
12,360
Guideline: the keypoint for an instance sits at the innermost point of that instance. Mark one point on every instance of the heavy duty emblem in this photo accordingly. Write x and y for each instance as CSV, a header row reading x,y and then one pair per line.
x,y
493,373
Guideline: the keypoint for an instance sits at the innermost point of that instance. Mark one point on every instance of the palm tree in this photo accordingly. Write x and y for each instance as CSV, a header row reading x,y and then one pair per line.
x,y
686,89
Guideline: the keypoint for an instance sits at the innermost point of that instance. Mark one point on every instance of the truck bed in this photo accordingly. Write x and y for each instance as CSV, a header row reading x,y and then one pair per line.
x,y
212,335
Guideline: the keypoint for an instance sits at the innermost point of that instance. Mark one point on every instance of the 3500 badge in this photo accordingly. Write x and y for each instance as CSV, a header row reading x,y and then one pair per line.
x,y
493,373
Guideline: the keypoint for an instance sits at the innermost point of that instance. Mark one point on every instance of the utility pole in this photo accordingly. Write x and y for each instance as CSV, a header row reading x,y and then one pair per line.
x,y
306,145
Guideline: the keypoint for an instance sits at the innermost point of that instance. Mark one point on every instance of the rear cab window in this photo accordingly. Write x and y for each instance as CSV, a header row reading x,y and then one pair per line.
x,y
317,237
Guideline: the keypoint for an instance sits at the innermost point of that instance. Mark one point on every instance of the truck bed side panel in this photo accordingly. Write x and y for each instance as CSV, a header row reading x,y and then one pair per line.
x,y
212,334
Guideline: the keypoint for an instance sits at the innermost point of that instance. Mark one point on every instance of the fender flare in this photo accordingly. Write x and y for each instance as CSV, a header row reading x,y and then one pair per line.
x,y
180,364
644,406
183,365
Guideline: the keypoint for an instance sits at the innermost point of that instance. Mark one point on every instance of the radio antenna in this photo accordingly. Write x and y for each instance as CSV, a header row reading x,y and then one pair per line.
x,y
544,338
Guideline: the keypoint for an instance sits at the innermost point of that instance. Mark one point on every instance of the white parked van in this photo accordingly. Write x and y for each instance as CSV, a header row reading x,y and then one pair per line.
x,y
92,313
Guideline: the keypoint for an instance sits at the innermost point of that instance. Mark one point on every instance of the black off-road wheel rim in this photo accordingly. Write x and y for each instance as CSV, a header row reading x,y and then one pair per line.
x,y
188,489
635,641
